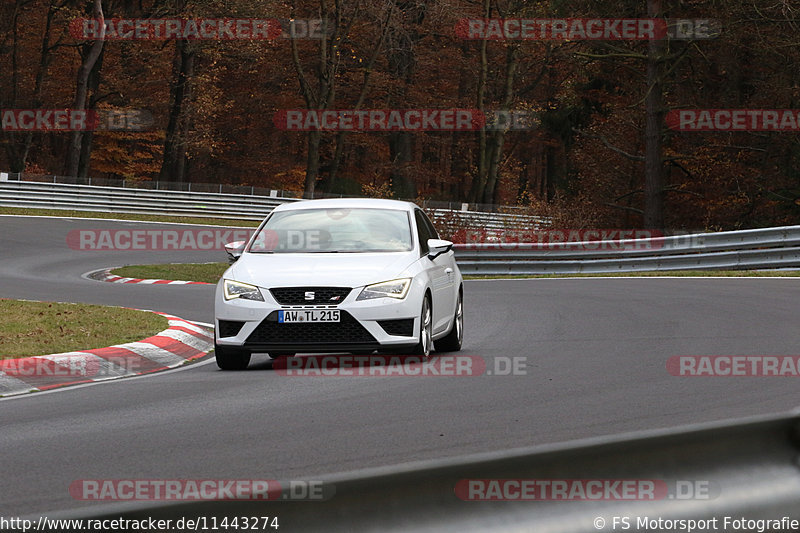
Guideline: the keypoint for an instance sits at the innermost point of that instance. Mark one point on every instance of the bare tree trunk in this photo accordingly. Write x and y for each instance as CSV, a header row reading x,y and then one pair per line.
x,y
498,136
82,89
330,183
44,61
480,173
324,95
173,165
549,187
88,137
401,56
312,163
495,152
10,145
654,168
18,155
401,156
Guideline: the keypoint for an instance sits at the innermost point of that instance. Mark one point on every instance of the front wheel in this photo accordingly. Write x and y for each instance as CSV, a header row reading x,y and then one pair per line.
x,y
452,341
231,358
423,347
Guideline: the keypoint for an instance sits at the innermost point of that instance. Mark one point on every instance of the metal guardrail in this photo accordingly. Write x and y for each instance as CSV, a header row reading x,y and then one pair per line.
x,y
138,201
749,470
202,204
730,250
224,188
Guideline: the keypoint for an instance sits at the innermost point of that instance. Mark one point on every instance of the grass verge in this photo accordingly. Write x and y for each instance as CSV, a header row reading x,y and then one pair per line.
x,y
42,328
660,274
212,272
207,272
129,216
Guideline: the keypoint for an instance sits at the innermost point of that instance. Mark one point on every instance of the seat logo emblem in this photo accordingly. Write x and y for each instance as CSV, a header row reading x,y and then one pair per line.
x,y
309,295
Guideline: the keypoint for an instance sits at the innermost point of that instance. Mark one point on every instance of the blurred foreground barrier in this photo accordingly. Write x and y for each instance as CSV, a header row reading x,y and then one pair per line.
x,y
718,473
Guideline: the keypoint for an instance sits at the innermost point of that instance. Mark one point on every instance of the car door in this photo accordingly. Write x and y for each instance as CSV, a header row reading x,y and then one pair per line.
x,y
441,273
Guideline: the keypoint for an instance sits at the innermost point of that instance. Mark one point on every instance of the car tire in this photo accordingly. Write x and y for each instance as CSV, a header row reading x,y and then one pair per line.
x,y
425,344
453,340
231,358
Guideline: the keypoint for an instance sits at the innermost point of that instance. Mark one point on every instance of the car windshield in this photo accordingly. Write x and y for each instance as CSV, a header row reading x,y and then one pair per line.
x,y
334,230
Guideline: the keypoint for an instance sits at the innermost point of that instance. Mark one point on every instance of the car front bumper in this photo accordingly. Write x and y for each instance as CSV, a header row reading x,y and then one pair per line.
x,y
366,325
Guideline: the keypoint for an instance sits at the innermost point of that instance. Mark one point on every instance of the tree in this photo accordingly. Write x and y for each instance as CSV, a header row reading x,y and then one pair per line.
x,y
90,54
654,125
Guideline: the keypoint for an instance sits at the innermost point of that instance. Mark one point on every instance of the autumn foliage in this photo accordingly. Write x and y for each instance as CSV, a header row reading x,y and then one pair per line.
x,y
213,104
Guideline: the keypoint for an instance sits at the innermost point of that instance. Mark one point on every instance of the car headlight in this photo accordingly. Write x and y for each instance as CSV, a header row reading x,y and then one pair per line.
x,y
237,289
397,288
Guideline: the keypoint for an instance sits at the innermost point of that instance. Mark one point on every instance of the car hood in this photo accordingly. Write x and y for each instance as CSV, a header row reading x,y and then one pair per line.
x,y
320,269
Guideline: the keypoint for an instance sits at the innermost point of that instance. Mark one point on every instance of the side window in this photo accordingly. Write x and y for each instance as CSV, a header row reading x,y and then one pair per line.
x,y
431,228
423,230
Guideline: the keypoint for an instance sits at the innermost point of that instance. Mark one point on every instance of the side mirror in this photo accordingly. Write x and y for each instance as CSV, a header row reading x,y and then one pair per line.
x,y
234,250
437,247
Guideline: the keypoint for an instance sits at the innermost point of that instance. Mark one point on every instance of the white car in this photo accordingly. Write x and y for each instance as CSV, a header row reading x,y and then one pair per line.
x,y
349,275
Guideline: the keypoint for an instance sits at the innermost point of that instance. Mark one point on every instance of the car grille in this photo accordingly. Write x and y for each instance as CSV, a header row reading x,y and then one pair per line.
x,y
346,331
322,295
229,328
403,326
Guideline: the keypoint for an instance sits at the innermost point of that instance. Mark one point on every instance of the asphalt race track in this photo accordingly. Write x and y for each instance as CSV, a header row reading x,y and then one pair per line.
x,y
595,354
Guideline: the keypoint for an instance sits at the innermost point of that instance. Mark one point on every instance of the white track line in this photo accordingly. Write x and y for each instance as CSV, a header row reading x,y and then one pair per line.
x,y
188,366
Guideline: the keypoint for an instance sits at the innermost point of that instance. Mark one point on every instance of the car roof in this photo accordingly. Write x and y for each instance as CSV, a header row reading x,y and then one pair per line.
x,y
347,203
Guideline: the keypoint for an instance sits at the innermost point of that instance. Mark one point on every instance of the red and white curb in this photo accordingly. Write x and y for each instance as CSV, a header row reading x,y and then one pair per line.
x,y
107,276
183,341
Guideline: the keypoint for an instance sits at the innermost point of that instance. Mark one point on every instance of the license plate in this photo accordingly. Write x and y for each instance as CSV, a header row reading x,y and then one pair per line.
x,y
308,315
